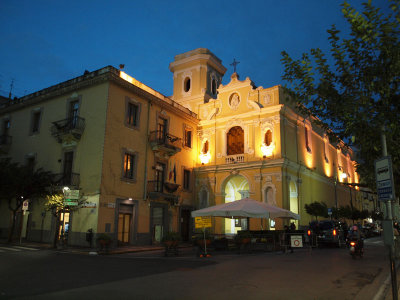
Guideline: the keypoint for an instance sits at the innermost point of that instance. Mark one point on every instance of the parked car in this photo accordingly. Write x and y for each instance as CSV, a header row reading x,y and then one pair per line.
x,y
329,232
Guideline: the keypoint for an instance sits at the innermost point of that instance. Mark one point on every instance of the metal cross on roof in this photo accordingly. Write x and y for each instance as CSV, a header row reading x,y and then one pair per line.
x,y
234,64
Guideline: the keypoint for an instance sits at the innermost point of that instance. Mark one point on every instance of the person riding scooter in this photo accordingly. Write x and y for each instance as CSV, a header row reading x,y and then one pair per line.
x,y
357,236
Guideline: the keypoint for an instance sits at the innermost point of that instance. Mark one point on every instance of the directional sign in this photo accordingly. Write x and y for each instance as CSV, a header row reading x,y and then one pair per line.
x,y
384,178
202,222
71,194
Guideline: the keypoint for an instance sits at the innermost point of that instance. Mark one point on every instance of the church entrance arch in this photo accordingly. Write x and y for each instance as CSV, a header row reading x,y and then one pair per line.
x,y
236,188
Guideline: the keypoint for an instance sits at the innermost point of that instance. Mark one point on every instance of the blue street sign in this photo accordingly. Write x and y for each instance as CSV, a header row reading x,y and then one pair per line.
x,y
384,178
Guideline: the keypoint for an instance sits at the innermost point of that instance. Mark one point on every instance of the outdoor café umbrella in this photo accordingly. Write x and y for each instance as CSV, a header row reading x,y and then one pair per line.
x,y
245,208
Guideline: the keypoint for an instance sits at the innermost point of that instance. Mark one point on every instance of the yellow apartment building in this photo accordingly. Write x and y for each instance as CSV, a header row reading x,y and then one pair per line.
x,y
144,161
124,146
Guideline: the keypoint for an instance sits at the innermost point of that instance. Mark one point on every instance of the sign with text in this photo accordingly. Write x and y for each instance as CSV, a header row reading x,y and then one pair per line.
x,y
69,202
384,178
202,222
71,194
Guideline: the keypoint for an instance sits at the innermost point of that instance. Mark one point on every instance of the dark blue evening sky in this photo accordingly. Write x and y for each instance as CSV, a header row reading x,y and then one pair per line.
x,y
47,42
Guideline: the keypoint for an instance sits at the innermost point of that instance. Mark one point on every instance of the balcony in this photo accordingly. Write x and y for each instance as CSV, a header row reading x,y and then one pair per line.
x,y
234,159
162,190
165,143
70,180
5,143
67,129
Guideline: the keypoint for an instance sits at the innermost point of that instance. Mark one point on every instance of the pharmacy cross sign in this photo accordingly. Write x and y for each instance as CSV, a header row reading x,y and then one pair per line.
x,y
234,64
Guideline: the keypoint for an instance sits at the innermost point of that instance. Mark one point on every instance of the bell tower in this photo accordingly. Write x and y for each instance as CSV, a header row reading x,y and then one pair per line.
x,y
197,76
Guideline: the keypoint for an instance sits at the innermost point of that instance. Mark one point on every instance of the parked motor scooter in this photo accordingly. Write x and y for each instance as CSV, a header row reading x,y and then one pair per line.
x,y
356,249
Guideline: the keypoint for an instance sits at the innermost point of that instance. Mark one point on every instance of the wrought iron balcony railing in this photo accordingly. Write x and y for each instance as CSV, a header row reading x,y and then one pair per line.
x,y
160,187
166,142
69,180
74,126
155,186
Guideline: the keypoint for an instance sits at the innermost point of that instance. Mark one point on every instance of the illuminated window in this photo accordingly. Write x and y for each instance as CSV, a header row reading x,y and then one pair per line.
x,y
235,141
186,84
188,138
129,168
268,138
132,114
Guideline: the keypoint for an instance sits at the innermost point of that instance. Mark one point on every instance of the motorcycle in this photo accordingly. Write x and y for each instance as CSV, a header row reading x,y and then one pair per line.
x,y
356,248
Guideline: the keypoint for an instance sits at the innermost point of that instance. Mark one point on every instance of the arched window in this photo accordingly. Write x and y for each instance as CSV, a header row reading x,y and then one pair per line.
x,y
268,138
235,141
213,86
186,85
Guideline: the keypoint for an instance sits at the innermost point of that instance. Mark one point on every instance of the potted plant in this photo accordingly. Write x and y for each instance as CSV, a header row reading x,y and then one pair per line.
x,y
171,242
104,241
200,238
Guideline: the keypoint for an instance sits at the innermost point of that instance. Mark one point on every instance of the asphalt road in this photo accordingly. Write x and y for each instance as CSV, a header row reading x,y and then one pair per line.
x,y
327,273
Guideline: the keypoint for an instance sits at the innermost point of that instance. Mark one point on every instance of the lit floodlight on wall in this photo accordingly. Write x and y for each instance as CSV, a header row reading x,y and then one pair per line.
x,y
267,150
205,158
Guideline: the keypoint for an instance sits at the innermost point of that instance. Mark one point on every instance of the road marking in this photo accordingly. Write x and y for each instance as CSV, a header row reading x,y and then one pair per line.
x,y
26,248
12,249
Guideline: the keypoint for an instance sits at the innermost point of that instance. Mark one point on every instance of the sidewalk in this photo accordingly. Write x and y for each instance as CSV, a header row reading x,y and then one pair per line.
x,y
89,250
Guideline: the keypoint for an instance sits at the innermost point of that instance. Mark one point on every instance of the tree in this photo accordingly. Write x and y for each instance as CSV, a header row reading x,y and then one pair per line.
x,y
19,183
317,209
358,96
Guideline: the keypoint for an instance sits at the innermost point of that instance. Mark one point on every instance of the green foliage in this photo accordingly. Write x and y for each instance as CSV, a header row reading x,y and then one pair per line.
x,y
103,237
19,183
317,209
357,95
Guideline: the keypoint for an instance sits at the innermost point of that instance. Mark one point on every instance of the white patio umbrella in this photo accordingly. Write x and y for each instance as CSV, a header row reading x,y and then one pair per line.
x,y
245,208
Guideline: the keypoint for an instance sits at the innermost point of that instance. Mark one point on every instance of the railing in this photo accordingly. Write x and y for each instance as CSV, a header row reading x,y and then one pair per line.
x,y
72,179
165,139
155,186
73,125
5,139
233,159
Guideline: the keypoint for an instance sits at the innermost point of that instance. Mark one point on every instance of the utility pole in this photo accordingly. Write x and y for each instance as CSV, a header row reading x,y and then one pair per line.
x,y
388,229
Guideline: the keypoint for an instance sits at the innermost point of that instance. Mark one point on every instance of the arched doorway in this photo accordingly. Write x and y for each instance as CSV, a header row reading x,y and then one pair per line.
x,y
236,188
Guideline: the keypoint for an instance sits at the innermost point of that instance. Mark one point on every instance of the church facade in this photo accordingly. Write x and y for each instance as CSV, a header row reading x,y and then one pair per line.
x,y
143,161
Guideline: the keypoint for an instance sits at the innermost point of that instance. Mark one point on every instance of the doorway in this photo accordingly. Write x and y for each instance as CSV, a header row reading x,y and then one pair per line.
x,y
185,224
63,228
124,225
235,189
